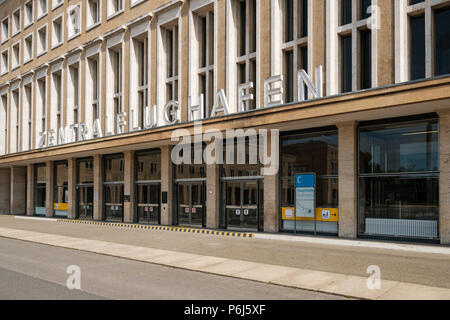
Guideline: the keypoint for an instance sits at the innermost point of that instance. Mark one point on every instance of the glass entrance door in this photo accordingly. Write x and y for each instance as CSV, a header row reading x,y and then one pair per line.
x,y
114,202
148,203
191,204
85,195
242,204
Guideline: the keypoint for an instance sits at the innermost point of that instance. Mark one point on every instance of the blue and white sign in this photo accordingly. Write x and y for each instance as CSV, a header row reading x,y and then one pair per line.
x,y
305,195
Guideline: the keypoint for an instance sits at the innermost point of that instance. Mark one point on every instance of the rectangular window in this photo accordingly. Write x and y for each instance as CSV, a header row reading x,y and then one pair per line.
x,y
42,7
442,40
74,21
4,63
366,59
73,93
114,7
417,49
26,114
15,56
399,180
28,48
115,54
93,88
42,41
346,63
15,121
171,53
16,22
56,3
5,29
28,14
346,12
365,4
57,31
41,106
57,98
93,13
40,189
4,124
139,82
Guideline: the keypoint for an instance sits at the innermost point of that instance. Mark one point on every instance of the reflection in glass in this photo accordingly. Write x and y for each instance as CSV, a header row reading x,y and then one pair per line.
x,y
40,190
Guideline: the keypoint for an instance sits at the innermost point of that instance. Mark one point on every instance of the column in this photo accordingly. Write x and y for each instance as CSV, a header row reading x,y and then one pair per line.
x,y
271,186
128,206
71,188
98,187
347,179
49,184
212,196
30,189
166,185
5,190
18,190
444,177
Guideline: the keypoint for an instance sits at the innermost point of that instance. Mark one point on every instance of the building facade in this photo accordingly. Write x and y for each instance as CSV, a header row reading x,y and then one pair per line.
x,y
355,91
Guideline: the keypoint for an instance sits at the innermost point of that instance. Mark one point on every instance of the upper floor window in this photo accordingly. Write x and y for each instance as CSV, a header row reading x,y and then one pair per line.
x,y
4,62
42,8
41,40
16,21
56,3
92,13
28,48
57,31
15,56
74,23
5,29
28,17
114,7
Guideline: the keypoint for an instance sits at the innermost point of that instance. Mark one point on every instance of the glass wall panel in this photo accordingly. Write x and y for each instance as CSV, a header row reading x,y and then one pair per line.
x,y
148,166
40,190
399,180
114,167
60,195
442,41
241,158
191,171
85,171
315,152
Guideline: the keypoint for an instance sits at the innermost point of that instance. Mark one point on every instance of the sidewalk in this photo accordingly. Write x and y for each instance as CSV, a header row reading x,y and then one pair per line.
x,y
315,266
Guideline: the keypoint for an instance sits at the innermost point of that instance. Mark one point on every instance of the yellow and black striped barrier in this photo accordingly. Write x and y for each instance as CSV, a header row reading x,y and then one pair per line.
x,y
162,228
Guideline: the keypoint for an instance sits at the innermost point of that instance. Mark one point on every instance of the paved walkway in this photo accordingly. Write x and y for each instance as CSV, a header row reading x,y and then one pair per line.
x,y
267,269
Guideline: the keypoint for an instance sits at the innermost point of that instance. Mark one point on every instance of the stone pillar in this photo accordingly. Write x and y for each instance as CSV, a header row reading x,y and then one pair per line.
x,y
271,186
212,196
129,207
18,190
30,190
167,185
444,177
347,179
49,184
71,188
5,190
98,187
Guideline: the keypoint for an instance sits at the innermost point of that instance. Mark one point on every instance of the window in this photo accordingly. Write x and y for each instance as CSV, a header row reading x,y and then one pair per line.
x,y
399,179
365,59
16,22
27,116
346,63
4,63
295,44
4,123
92,13
170,37
15,56
57,31
424,27
74,23
205,64
40,188
73,91
114,7
28,48
307,152
28,14
136,2
92,89
5,29
60,193
42,8
56,3
441,40
41,41
15,121
246,50
114,105
41,106
56,112
139,80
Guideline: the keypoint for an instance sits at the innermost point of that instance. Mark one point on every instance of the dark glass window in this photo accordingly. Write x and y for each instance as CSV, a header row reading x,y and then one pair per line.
x,y
61,183
417,37
303,31
411,2
346,11
289,75
366,59
442,41
365,4
149,166
114,169
85,171
40,190
289,21
346,63
192,170
399,148
243,22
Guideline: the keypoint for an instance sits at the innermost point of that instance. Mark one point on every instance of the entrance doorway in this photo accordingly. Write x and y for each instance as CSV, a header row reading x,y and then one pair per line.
x,y
191,204
114,202
243,204
85,200
148,203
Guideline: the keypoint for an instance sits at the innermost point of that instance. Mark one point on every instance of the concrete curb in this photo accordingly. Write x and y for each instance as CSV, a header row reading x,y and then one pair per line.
x,y
325,282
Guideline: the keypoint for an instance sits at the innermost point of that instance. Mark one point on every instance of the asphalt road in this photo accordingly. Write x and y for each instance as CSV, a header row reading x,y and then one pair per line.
x,y
34,271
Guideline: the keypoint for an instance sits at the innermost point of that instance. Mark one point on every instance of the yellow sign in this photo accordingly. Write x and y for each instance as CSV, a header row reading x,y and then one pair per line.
x,y
61,206
322,214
